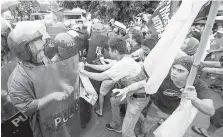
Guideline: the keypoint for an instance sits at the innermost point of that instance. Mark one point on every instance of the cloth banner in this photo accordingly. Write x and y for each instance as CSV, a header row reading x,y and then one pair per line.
x,y
160,18
158,63
160,59
17,126
177,124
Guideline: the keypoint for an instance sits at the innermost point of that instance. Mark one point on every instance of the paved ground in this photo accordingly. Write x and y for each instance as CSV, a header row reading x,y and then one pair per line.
x,y
96,127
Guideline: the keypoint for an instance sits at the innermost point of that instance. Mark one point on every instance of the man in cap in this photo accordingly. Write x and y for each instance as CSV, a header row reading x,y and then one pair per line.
x,y
27,88
128,71
168,96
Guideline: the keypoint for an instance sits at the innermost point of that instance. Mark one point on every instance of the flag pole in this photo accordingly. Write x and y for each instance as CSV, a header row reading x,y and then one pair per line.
x,y
204,39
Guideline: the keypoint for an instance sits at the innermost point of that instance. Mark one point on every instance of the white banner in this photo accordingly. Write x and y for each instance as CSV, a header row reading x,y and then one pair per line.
x,y
159,61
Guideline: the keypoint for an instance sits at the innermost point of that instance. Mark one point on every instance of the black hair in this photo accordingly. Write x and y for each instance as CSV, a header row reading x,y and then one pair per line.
x,y
118,44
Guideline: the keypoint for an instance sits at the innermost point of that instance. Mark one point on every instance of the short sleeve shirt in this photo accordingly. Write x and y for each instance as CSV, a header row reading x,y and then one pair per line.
x,y
169,103
127,67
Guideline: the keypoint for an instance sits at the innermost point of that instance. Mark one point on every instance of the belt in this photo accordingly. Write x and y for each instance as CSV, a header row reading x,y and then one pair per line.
x,y
140,95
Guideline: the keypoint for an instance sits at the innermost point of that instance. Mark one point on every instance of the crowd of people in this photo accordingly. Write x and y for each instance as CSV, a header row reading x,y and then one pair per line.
x,y
118,66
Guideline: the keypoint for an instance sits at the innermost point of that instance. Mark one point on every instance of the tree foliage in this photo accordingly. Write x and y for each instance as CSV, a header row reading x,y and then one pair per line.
x,y
25,8
123,11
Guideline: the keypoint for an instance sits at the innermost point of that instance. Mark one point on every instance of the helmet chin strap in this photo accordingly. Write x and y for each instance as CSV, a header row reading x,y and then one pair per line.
x,y
44,61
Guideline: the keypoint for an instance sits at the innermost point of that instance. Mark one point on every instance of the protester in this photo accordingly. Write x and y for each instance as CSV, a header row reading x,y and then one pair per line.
x,y
196,34
147,34
28,46
217,44
146,46
190,46
135,41
112,24
167,98
106,85
128,71
122,33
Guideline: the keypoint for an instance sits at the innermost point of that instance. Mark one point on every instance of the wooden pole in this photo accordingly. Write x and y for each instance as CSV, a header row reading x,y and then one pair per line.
x,y
204,39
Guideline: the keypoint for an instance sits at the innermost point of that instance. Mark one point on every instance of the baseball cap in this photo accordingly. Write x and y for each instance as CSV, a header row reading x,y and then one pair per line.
x,y
67,45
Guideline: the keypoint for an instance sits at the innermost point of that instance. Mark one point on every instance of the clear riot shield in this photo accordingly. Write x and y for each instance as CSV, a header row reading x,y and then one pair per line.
x,y
64,118
58,119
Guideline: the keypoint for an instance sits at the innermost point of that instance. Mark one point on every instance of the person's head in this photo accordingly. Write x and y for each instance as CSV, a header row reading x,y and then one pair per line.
x,y
196,34
219,33
27,41
136,38
181,68
117,47
190,46
5,30
122,32
147,45
112,21
80,24
147,34
116,30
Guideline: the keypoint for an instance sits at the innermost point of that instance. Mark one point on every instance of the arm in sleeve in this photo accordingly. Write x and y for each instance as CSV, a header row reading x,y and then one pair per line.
x,y
21,98
204,102
116,72
99,67
24,101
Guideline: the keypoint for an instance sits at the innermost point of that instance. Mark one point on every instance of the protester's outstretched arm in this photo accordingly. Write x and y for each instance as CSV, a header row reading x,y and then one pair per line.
x,y
211,64
130,89
99,67
91,75
213,70
108,60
